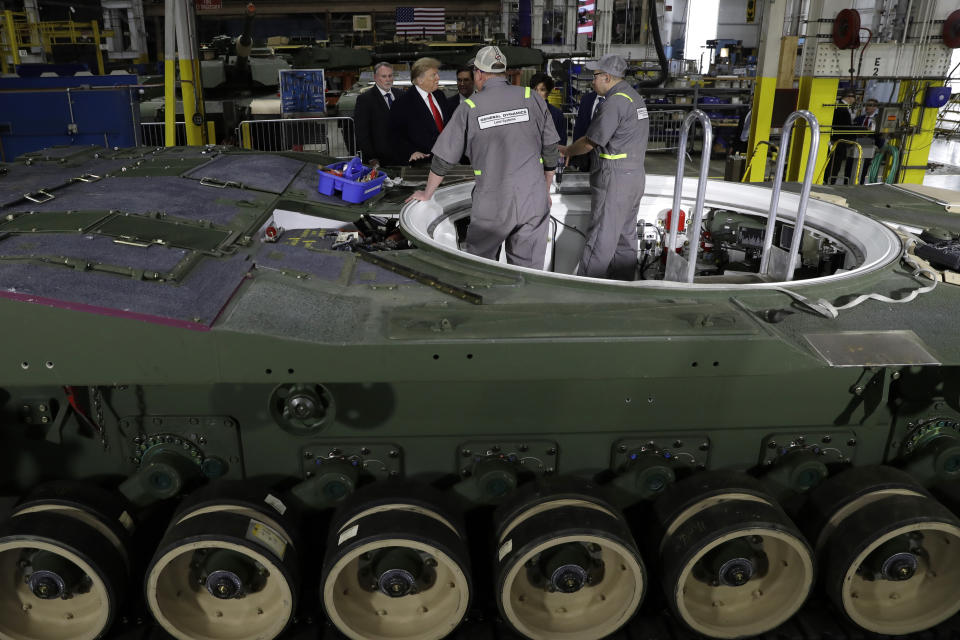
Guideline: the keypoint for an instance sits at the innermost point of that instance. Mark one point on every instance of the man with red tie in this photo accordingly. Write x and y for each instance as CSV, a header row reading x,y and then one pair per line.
x,y
420,114
509,136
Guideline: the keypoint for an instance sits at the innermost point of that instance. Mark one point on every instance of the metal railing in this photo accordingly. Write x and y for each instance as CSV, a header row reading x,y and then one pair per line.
x,y
333,137
680,269
153,134
665,126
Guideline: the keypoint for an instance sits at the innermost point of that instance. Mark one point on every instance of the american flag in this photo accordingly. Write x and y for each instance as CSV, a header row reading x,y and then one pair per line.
x,y
585,15
418,21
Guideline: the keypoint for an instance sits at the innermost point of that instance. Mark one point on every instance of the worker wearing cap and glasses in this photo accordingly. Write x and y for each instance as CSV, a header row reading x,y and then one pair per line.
x,y
617,138
509,136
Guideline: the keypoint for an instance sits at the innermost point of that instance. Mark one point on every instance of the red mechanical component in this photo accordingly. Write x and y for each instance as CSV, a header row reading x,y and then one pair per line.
x,y
846,29
951,30
682,223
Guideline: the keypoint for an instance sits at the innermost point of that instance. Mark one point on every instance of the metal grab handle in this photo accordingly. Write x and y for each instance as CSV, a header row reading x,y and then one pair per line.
x,y
40,196
804,191
697,217
220,184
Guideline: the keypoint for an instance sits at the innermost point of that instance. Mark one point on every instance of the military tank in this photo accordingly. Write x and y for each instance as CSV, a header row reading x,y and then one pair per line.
x,y
237,431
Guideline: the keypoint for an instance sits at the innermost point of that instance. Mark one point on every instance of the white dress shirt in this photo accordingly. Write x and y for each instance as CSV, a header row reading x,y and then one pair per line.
x,y
426,101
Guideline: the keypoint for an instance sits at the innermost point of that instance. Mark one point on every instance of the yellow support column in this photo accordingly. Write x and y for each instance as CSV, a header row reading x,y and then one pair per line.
x,y
763,92
4,67
189,97
169,102
12,37
764,87
169,75
211,132
814,94
245,141
95,27
205,137
917,147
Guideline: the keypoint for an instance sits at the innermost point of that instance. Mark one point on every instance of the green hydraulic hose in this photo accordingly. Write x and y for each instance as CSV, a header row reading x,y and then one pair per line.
x,y
877,165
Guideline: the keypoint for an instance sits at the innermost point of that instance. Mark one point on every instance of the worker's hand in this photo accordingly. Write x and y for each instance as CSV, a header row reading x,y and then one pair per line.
x,y
418,195
563,150
416,155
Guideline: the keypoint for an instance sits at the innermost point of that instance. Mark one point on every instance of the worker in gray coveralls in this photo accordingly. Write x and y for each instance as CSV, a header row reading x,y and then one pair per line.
x,y
509,136
618,136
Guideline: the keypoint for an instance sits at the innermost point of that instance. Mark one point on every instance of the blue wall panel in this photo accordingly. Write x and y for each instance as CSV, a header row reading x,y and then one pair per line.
x,y
38,112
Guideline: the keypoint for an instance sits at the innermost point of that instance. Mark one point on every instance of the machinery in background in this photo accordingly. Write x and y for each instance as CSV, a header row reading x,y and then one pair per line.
x,y
234,74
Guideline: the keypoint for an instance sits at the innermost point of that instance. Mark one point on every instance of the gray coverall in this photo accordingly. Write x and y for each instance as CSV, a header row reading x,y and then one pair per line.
x,y
509,136
619,131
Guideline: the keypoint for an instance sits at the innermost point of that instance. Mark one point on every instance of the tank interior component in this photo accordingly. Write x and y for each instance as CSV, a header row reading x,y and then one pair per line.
x,y
835,243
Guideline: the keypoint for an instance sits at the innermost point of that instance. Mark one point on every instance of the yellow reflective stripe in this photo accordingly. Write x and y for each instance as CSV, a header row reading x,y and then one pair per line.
x,y
526,92
541,160
470,102
620,93
477,172
615,156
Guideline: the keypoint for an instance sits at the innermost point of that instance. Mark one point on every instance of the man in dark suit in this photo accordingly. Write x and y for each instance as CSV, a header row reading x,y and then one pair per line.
x,y
842,132
588,107
420,114
465,88
372,117
870,140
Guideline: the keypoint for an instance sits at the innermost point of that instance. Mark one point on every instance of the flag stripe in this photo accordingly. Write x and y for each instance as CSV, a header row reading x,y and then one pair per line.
x,y
420,20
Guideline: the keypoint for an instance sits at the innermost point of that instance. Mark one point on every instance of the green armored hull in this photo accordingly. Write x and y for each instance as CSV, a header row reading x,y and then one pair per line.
x,y
227,425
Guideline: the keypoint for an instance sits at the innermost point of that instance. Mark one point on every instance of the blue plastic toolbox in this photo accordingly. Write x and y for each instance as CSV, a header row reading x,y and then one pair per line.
x,y
349,186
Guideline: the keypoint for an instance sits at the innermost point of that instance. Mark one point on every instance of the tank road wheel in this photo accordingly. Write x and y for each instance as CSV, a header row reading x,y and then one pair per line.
x,y
62,578
889,553
105,511
223,573
566,567
396,568
733,563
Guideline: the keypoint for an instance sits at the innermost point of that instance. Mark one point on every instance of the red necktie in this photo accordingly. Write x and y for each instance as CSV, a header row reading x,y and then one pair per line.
x,y
436,113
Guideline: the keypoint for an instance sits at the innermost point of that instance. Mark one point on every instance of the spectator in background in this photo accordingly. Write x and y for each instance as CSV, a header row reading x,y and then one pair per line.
x,y
419,115
870,140
842,133
464,85
372,117
743,132
585,112
543,84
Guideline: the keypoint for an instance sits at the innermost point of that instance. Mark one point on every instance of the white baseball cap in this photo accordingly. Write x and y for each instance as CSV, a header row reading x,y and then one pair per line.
x,y
489,59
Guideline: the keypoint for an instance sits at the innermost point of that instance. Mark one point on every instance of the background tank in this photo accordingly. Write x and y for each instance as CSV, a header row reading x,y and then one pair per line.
x,y
235,73
391,440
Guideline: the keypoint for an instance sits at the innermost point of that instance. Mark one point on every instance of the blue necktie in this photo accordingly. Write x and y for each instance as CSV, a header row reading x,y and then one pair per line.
x,y
600,100
389,99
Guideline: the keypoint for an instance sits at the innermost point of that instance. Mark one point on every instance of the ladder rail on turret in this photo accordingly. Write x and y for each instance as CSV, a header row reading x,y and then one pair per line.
x,y
680,269
773,261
